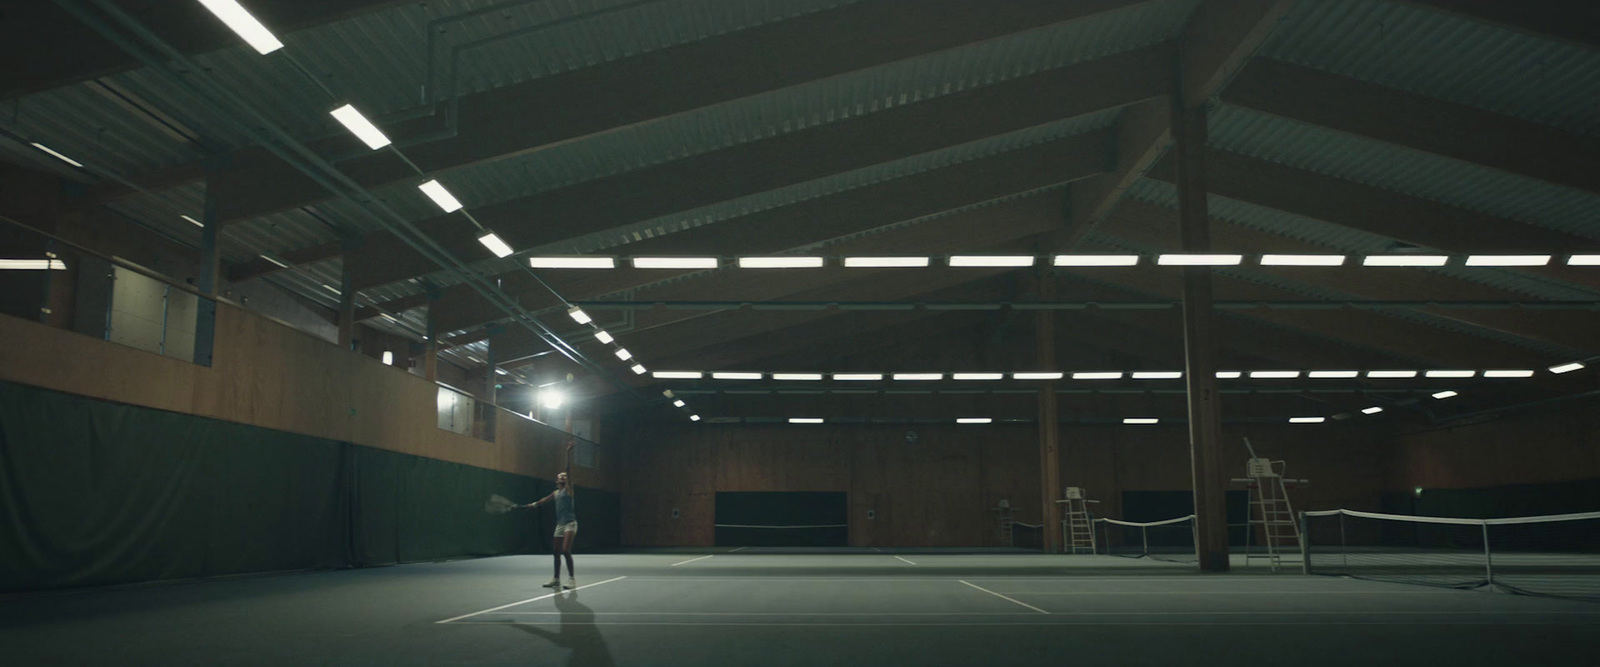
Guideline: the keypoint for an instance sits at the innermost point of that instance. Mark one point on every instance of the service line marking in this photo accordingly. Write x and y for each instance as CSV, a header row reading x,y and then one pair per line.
x,y
542,597
691,560
905,560
1002,596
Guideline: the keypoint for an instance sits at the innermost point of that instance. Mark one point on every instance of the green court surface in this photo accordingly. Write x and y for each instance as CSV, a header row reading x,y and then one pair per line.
x,y
791,607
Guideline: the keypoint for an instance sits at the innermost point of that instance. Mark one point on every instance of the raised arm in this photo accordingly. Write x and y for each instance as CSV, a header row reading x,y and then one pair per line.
x,y
536,503
571,485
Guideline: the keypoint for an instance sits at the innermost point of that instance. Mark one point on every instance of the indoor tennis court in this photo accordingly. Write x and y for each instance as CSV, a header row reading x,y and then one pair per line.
x,y
799,332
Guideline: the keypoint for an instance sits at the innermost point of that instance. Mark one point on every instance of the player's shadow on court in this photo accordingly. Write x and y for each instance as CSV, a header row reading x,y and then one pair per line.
x,y
577,632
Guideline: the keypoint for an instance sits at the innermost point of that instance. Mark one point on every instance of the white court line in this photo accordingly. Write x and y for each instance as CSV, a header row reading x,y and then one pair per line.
x,y
691,560
877,550
542,597
780,613
1069,624
906,560
1002,596
1441,592
738,549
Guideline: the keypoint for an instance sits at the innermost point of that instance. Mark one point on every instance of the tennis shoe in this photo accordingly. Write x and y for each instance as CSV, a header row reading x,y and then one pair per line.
x,y
572,583
553,583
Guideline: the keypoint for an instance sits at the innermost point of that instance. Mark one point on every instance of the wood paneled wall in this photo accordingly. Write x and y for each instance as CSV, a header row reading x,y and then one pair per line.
x,y
1555,445
938,491
269,375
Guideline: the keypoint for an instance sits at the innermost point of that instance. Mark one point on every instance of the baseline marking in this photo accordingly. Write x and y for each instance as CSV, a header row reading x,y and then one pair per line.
x,y
542,597
1002,596
738,549
905,560
691,560
1044,623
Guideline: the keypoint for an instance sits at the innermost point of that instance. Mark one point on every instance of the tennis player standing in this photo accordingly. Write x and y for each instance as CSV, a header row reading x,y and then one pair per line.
x,y
566,523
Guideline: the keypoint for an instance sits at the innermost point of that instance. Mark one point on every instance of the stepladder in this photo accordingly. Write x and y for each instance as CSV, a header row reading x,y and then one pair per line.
x,y
1271,509
1077,525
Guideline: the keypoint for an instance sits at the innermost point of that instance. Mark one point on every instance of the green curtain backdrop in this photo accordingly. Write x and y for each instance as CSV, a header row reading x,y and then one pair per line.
x,y
95,493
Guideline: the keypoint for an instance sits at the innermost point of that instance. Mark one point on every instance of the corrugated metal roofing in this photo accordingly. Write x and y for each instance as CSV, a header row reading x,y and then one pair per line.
x,y
1346,240
1444,56
1399,169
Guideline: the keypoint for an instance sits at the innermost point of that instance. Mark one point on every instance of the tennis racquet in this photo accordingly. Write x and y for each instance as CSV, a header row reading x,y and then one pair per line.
x,y
498,505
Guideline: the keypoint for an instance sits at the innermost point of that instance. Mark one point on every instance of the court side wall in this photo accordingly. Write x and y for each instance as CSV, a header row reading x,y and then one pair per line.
x,y
938,491
269,375
1545,462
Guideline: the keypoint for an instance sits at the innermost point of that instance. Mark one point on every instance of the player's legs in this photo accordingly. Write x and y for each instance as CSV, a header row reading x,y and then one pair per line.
x,y
571,537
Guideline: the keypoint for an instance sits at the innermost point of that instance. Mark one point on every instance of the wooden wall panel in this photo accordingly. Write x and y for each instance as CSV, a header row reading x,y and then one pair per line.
x,y
1554,446
270,375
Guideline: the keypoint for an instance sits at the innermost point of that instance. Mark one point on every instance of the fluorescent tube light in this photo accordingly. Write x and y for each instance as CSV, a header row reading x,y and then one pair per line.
x,y
58,156
358,125
578,315
1098,375
1141,420
572,262
1036,376
780,262
797,376
1228,375
675,263
331,288
501,371
246,26
678,375
1157,375
197,223
1445,394
1199,260
919,376
1331,375
884,262
388,359
1508,374
991,260
853,377
1302,260
805,420
678,403
973,420
32,265
1450,374
1575,260
495,245
1566,368
1307,420
603,337
1273,375
1372,410
638,369
1508,260
623,354
274,260
440,196
694,418
735,375
977,376
1405,260
1390,375
1096,260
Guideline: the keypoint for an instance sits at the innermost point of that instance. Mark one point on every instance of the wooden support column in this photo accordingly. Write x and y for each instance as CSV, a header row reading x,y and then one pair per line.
x,y
1049,423
430,352
347,307
1199,341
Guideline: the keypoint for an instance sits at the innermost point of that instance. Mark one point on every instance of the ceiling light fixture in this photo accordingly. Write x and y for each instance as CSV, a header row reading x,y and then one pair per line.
x,y
735,375
1575,260
246,26
603,337
1405,260
1508,374
797,376
780,262
58,156
675,263
1157,375
919,376
856,377
1445,394
1391,375
623,354
1098,375
1273,375
991,260
358,125
1372,410
1508,260
1307,420
1566,368
1303,260
589,262
1186,259
1048,375
973,420
677,375
1096,260
1141,420
197,223
1332,375
578,315
1450,374
978,376
495,245
805,420
638,369
32,265
440,196
885,262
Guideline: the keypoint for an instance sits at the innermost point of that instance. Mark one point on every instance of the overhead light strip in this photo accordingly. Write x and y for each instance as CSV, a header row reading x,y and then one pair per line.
x,y
243,24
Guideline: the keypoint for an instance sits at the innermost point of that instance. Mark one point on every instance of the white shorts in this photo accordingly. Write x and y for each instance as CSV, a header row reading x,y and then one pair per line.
x,y
569,528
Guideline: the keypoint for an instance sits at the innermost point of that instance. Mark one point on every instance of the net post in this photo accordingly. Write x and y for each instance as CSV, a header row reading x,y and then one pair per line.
x,y
1144,534
1488,561
1344,552
1305,543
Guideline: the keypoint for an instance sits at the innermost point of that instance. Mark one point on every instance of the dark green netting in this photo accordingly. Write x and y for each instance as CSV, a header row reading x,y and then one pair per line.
x,y
95,493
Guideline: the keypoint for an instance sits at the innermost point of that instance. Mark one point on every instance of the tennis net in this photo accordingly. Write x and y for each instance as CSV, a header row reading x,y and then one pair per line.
x,y
1170,540
1553,555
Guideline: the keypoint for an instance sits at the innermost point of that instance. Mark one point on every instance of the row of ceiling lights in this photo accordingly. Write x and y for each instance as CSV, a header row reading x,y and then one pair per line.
x,y
1116,375
1017,261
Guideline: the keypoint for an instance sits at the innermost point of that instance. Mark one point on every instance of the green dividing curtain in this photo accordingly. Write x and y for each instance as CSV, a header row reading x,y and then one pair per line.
x,y
95,493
